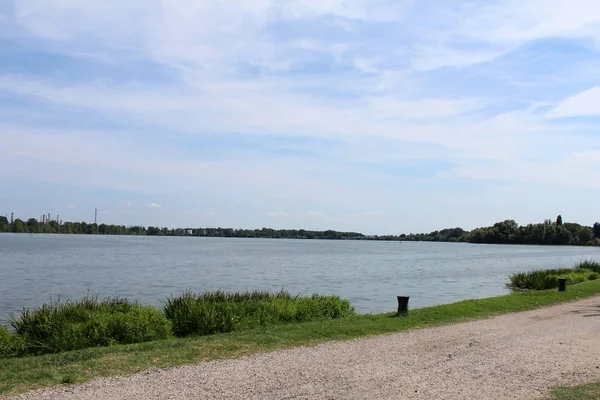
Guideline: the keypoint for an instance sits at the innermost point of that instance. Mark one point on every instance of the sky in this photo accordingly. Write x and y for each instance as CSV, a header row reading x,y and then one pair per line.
x,y
376,116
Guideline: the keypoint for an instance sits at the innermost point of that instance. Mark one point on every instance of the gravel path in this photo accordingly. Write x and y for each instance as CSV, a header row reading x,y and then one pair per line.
x,y
514,356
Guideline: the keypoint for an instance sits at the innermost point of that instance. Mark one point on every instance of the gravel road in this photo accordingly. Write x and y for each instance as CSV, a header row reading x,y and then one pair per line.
x,y
514,356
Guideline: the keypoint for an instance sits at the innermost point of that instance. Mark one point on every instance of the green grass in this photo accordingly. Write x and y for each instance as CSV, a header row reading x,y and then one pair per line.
x,y
22,374
548,278
584,392
220,312
80,324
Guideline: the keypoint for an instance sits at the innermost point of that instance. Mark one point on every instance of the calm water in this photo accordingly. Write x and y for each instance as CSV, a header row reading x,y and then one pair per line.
x,y
36,268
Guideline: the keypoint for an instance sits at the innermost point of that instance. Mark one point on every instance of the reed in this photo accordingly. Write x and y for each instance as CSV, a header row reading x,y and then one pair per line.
x,y
218,312
88,322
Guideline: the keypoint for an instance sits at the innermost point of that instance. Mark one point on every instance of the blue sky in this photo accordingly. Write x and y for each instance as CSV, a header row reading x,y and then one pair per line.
x,y
379,116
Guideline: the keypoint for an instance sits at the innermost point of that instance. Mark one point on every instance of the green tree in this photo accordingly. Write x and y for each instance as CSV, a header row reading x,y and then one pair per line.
x,y
18,226
596,229
4,224
559,220
153,230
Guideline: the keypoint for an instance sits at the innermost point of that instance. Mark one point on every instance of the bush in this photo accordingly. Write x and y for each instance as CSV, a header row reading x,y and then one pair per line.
x,y
548,278
218,312
86,323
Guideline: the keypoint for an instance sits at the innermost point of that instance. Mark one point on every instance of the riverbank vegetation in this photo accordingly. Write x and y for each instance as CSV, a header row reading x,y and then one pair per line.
x,y
19,374
220,312
89,322
548,278
550,232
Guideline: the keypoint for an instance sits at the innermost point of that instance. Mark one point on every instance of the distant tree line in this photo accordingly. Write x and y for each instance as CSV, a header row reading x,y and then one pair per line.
x,y
548,232
34,226
506,232
510,232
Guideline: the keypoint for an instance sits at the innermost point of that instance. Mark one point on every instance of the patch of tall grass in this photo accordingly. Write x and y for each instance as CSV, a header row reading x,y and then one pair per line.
x,y
548,278
11,345
218,312
589,264
88,322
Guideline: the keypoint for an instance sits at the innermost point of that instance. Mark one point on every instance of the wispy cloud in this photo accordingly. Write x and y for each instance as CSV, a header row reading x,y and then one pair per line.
x,y
278,214
153,205
586,103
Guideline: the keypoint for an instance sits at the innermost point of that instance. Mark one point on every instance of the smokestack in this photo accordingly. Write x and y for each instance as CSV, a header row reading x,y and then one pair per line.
x,y
96,217
12,217
57,218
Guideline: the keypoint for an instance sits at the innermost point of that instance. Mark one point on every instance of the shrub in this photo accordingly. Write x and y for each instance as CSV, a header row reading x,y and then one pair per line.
x,y
86,323
218,312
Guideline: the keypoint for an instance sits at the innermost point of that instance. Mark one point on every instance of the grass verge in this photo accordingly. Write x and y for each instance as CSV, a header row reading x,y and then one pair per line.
x,y
584,392
22,374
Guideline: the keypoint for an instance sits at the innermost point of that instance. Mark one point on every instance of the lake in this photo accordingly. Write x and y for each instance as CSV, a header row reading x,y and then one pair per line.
x,y
37,268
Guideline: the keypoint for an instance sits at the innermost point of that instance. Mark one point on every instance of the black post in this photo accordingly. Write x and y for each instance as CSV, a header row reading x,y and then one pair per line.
x,y
402,305
562,284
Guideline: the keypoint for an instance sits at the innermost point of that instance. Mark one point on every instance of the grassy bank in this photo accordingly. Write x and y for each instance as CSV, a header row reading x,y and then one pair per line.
x,y
548,278
26,373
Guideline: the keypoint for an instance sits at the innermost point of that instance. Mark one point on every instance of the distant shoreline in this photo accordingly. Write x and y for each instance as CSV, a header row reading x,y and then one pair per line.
x,y
505,232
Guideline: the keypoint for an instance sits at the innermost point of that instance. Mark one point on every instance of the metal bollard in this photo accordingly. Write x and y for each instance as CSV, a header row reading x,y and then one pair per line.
x,y
562,284
402,305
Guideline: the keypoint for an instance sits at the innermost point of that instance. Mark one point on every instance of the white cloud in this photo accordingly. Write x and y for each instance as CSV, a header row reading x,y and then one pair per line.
x,y
128,203
434,56
480,31
586,103
278,214
153,205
